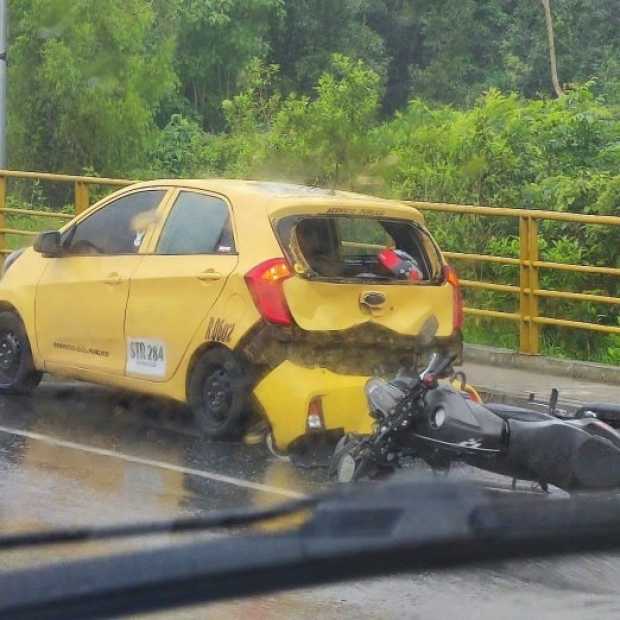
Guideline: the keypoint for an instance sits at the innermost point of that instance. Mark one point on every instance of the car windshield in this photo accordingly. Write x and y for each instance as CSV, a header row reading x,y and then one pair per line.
x,y
320,289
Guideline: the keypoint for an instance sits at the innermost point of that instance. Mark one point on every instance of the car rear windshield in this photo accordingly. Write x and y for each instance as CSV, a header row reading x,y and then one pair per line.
x,y
353,248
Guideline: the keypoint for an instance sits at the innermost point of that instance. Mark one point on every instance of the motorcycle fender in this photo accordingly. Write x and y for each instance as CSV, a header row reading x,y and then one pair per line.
x,y
562,454
285,394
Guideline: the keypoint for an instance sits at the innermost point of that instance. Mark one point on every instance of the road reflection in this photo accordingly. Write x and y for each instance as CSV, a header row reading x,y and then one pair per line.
x,y
44,484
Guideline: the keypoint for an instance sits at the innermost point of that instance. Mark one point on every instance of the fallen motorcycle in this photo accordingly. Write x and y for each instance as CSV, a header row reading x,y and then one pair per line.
x,y
418,417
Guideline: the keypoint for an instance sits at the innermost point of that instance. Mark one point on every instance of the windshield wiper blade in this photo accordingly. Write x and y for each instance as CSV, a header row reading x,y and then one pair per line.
x,y
397,527
240,517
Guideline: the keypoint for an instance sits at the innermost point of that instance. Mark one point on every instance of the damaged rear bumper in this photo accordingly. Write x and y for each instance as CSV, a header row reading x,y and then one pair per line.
x,y
285,396
369,349
296,367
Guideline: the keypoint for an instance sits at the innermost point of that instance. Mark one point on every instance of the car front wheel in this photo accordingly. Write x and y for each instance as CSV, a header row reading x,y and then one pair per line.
x,y
17,372
218,394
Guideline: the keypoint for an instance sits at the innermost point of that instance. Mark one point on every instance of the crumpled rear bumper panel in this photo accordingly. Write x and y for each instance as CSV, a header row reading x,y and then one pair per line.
x,y
364,351
285,393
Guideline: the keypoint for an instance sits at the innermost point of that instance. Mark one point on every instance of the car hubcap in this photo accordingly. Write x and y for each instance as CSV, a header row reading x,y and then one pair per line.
x,y
218,394
10,353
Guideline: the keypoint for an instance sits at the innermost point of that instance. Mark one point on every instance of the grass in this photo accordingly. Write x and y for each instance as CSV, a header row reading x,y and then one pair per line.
x,y
28,223
565,343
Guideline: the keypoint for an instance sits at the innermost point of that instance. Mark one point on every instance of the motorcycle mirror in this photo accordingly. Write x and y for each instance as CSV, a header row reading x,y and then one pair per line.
x,y
438,367
428,331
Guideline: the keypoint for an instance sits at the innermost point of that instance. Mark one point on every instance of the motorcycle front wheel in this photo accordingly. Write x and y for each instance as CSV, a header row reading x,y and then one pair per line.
x,y
351,463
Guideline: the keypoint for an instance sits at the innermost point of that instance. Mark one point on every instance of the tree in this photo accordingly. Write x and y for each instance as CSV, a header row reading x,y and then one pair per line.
x,y
179,148
320,140
216,40
586,45
399,24
311,31
552,57
86,80
459,50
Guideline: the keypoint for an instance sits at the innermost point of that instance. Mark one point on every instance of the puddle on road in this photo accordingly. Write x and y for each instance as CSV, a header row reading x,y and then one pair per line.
x,y
45,485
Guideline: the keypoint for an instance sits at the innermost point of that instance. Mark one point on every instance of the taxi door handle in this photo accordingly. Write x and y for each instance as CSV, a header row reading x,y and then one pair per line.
x,y
209,275
113,278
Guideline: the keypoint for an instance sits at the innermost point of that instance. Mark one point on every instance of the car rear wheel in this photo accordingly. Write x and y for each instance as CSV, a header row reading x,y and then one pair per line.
x,y
17,372
218,394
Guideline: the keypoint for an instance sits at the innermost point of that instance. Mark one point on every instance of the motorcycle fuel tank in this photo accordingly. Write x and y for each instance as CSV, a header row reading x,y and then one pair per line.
x,y
452,420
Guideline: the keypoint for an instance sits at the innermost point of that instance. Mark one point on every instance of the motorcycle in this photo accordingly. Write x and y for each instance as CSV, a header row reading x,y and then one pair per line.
x,y
418,417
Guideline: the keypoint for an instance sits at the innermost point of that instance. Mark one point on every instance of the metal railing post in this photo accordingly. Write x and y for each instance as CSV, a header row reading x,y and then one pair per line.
x,y
524,281
528,285
82,198
534,328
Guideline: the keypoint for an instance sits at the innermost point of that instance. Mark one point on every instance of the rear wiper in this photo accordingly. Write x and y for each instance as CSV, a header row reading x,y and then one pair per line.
x,y
355,532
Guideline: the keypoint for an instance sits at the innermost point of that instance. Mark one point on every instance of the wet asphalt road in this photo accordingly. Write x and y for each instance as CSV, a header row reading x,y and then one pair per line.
x,y
76,454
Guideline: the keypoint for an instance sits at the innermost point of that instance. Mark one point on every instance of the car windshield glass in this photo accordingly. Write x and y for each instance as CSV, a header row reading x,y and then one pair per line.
x,y
116,228
360,248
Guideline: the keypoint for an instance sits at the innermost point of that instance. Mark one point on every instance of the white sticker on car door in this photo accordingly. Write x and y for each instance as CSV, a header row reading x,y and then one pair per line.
x,y
146,357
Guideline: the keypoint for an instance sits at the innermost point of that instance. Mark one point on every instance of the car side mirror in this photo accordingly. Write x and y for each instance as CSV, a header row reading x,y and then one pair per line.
x,y
49,244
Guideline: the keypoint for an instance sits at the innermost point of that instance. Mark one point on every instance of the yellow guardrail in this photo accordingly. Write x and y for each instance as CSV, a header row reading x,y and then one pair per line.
x,y
527,289
81,200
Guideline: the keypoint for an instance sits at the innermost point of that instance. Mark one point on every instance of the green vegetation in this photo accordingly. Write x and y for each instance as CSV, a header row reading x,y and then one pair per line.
x,y
439,100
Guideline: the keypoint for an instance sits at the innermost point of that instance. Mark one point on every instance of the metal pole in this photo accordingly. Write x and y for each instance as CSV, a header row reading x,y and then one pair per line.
x,y
4,18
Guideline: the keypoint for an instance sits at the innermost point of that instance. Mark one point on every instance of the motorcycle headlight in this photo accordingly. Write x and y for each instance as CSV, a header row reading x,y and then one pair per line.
x,y
382,396
438,418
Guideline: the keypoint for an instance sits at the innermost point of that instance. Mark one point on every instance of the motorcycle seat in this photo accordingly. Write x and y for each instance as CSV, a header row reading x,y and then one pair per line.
x,y
512,412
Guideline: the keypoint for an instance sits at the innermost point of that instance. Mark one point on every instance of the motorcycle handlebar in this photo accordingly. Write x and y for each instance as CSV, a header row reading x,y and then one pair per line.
x,y
438,365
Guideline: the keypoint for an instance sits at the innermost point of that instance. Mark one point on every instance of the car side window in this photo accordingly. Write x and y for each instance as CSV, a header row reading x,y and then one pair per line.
x,y
198,224
117,228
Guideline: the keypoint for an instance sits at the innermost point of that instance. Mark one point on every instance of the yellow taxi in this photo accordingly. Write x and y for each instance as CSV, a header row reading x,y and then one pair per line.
x,y
233,297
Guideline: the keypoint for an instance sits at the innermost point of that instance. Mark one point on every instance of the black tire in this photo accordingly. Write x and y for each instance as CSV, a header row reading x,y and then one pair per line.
x,y
218,393
17,372
344,445
348,465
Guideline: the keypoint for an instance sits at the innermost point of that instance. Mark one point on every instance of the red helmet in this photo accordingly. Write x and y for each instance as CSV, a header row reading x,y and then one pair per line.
x,y
400,264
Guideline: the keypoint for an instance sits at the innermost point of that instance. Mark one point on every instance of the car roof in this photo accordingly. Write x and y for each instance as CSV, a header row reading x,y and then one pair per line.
x,y
273,196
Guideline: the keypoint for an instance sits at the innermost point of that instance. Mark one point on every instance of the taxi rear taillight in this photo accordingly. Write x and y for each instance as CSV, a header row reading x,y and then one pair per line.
x,y
265,283
315,420
457,308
